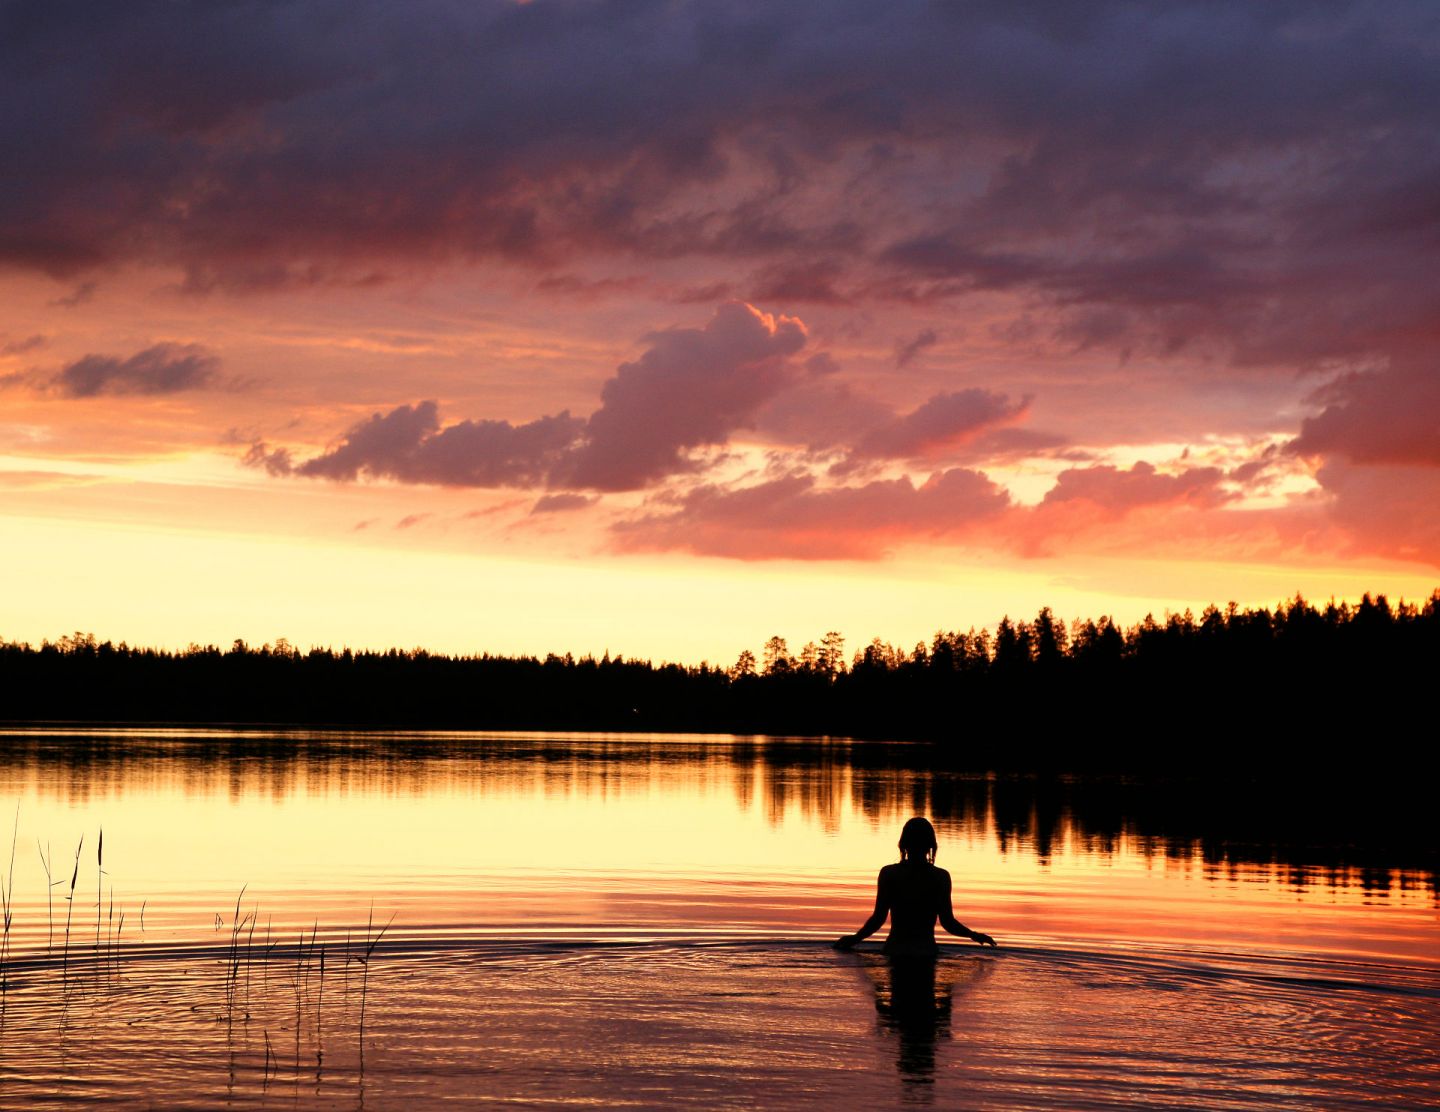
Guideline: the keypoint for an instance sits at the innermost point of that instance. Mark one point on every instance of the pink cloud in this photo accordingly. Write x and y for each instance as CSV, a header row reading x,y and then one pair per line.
x,y
1386,416
1115,490
945,421
793,517
691,389
1388,510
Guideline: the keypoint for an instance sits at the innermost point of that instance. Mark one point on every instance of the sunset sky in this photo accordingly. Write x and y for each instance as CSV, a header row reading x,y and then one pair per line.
x,y
662,327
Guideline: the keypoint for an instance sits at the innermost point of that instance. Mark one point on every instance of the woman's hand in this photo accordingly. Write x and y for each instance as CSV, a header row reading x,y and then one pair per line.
x,y
982,939
846,943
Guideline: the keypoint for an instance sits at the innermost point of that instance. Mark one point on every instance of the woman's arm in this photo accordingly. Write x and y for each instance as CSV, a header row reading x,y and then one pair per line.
x,y
952,924
877,917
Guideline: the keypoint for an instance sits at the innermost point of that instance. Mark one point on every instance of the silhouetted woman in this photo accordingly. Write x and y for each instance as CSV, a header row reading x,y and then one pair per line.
x,y
914,892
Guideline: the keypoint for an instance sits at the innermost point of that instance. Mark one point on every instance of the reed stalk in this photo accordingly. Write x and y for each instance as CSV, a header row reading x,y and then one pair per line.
x,y
250,956
45,859
364,960
238,924
69,910
7,896
99,877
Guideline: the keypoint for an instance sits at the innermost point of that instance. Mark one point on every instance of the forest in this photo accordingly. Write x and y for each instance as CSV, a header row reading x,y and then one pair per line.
x,y
1248,684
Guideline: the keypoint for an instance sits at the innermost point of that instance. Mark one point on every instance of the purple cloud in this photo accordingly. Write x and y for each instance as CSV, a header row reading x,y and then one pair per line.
x,y
1259,175
161,369
691,389
409,445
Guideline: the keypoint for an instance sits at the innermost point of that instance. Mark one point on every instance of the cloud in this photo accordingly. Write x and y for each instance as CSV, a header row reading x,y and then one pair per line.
x,y
1259,177
161,369
409,445
821,414
21,346
82,294
1116,490
906,351
946,420
1386,509
794,517
690,389
561,503
1384,416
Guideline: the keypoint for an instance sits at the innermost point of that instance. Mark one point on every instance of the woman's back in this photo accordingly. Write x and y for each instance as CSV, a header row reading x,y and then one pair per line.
x,y
917,892
913,893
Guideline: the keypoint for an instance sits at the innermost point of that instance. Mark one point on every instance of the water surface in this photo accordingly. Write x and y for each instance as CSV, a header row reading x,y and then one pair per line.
x,y
643,921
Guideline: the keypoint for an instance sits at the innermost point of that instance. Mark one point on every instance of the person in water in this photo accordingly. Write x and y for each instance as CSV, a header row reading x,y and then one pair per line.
x,y
914,892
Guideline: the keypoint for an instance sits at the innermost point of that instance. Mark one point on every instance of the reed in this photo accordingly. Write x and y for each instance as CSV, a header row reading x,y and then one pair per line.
x,y
115,945
69,910
99,878
319,1011
45,858
238,925
298,982
364,960
250,956
7,896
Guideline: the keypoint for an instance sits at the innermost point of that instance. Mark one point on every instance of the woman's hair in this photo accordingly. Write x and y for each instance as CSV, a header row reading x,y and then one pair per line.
x,y
917,838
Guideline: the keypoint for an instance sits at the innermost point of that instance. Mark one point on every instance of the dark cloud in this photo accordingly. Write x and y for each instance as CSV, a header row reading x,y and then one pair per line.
x,y
161,369
1261,176
691,389
794,517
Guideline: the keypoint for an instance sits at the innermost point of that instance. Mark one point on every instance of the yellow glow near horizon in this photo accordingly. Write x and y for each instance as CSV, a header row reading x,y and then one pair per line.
x,y
168,586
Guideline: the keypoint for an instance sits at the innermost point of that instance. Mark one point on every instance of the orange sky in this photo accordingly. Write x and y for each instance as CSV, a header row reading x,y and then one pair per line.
x,y
369,345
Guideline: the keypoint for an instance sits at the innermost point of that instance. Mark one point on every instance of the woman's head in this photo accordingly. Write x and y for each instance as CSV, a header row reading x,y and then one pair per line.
x,y
917,840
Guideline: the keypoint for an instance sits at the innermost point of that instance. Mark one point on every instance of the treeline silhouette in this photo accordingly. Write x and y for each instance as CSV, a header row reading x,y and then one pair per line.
x,y
1244,683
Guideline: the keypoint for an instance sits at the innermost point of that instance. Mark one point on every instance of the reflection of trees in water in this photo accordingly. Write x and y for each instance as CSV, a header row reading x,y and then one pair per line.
x,y
1341,831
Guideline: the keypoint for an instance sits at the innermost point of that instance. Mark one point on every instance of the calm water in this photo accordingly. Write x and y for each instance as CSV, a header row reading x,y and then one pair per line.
x,y
325,920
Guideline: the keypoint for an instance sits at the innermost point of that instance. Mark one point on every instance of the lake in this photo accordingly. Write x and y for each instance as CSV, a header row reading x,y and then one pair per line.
x,y
321,919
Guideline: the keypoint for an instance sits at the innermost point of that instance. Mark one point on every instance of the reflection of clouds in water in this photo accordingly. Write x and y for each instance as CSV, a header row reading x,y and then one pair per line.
x,y
914,1001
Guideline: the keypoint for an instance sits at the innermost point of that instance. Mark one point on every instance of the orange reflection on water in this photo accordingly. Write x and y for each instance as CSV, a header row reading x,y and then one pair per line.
x,y
533,836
